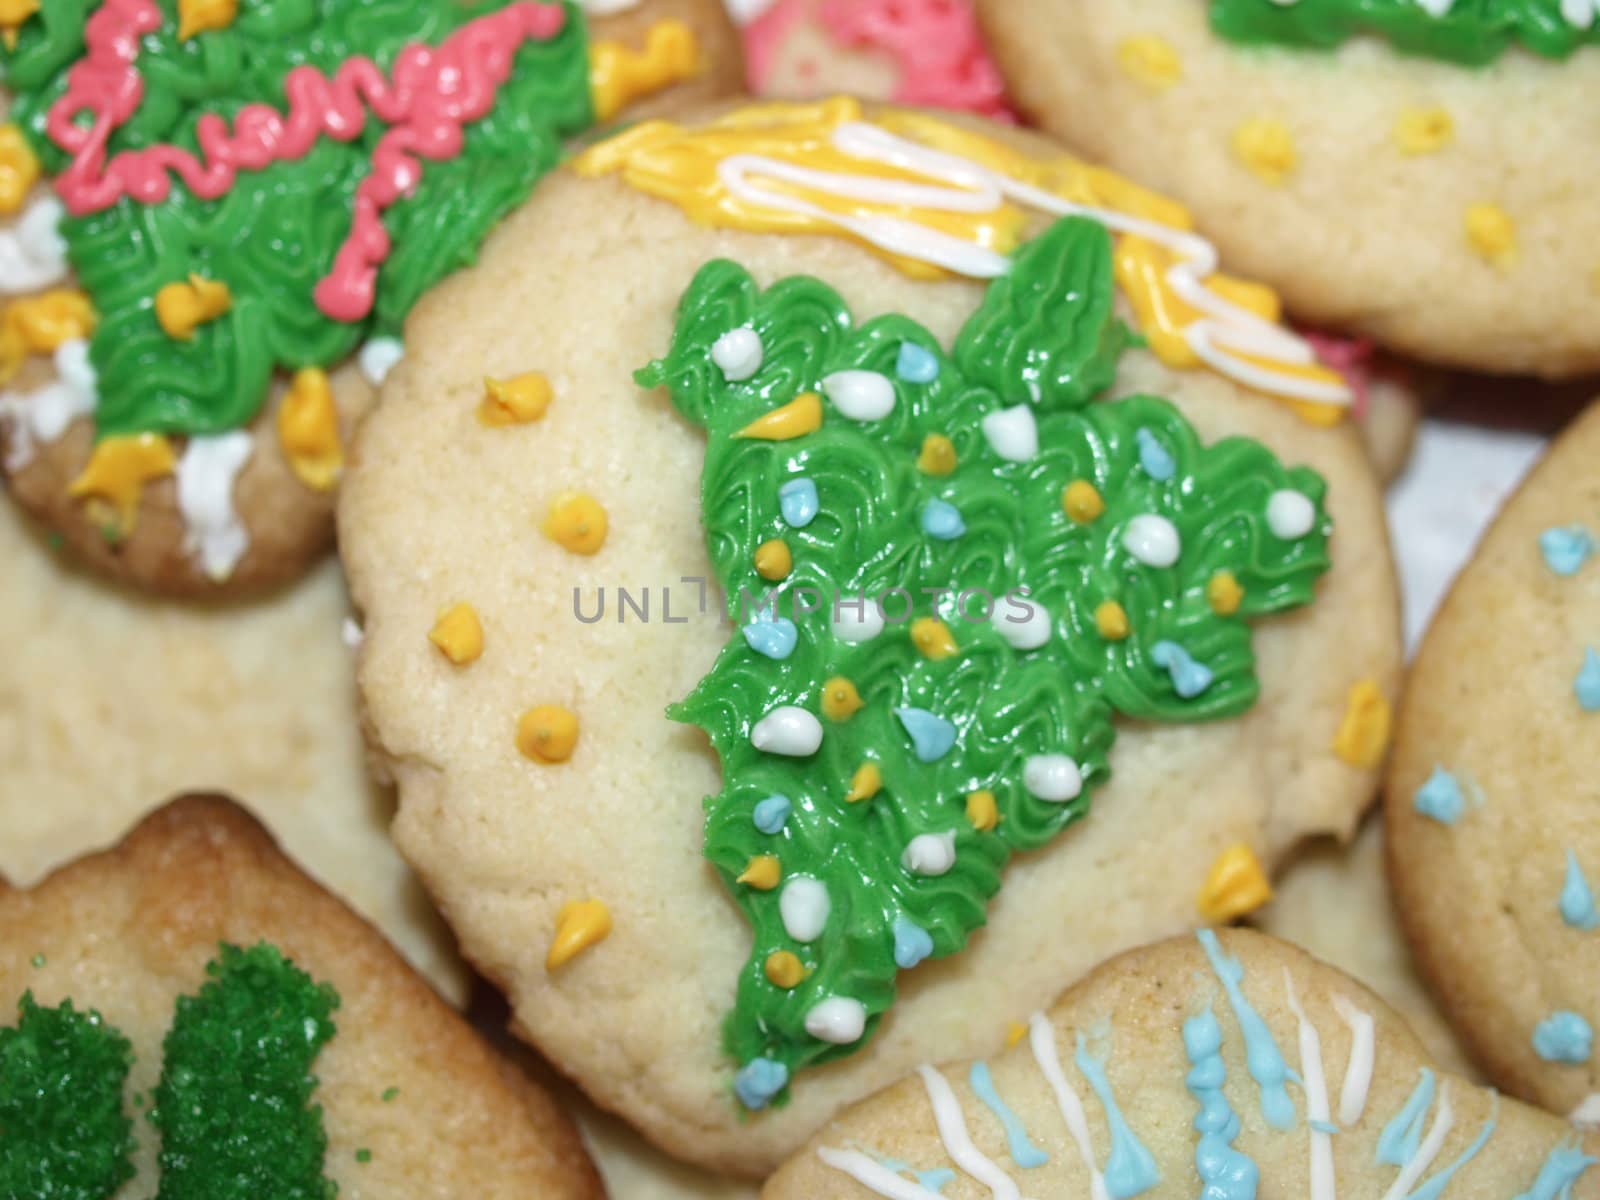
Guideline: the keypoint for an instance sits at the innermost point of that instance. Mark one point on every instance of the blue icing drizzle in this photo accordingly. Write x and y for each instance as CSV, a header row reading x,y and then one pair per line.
x,y
1434,1187
942,521
931,736
1262,1055
758,1081
772,814
1440,798
799,503
934,1180
1130,1168
1327,1127
1577,898
1189,678
916,364
1023,1152
1562,1168
1587,686
912,943
1397,1144
1563,1037
1155,458
1227,1174
1566,549
772,637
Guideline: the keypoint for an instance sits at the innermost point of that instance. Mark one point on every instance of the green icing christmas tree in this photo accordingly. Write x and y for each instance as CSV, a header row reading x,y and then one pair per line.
x,y
935,481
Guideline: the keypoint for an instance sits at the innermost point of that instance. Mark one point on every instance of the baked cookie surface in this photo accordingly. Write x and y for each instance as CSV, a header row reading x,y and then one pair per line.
x,y
1490,796
1376,189
217,1010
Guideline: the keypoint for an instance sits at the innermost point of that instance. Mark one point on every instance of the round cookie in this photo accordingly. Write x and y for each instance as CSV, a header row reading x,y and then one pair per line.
x,y
1164,1074
188,1005
1365,178
1492,846
571,865
189,339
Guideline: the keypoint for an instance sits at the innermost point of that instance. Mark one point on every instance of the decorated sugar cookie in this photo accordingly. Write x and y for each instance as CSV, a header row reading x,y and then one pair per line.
x,y
1493,852
860,599
190,1012
219,217
1372,159
1232,1066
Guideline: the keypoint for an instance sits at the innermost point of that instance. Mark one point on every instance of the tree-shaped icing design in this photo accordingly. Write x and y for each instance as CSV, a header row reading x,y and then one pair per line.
x,y
1030,565
232,1105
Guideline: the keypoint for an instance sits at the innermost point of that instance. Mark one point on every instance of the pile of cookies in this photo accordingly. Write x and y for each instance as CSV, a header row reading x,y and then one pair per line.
x,y
864,653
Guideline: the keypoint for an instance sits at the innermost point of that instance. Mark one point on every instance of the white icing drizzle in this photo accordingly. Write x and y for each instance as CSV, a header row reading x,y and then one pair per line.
x,y
952,1123
1587,1114
214,534
1363,1055
1222,338
1042,1040
1411,1174
33,254
1324,1184
351,633
604,8
43,415
873,1175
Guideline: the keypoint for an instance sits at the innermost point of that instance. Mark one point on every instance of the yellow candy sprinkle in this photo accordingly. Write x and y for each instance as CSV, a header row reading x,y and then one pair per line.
x,y
800,416
938,455
1224,593
1234,886
1265,145
784,970
1015,1032
840,700
1420,131
982,812
548,734
577,522
40,324
773,560
19,168
1492,233
762,873
864,784
458,634
13,14
1082,501
1150,60
515,401
1363,735
182,306
308,430
1111,619
579,925
117,472
619,75
933,639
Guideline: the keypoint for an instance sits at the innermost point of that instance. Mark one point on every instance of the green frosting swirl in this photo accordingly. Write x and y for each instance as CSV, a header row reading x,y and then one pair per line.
x,y
273,236
1473,32
1046,336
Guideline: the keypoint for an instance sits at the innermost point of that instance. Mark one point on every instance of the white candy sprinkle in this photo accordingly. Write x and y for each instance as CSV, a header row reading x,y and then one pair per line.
x,y
804,906
853,623
1023,623
1587,1114
1580,13
1153,540
1013,433
1290,515
380,356
1052,777
738,353
860,395
351,633
838,1020
930,854
787,730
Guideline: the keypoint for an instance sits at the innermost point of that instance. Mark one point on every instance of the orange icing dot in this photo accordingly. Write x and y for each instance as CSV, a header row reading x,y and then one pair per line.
x,y
19,168
1082,501
580,925
308,430
1235,885
773,560
983,813
515,401
865,783
1224,593
800,416
117,472
1266,147
1150,60
39,324
840,700
619,75
763,873
938,455
1492,233
548,734
1420,131
1363,736
577,522
1111,619
784,970
13,14
199,16
183,306
458,634
933,639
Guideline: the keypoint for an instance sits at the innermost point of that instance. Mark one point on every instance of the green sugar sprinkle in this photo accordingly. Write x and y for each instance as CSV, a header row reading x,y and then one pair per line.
x,y
38,961
363,1155
390,1093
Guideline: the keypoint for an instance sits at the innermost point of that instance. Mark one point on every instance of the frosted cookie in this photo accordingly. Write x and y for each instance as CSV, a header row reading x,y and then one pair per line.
x,y
217,217
783,427
190,1008
1354,153
1493,849
1230,1066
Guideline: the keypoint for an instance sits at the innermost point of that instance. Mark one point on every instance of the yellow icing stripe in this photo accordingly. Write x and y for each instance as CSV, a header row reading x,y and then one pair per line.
x,y
40,324
308,430
186,304
1235,885
200,16
117,473
19,169
619,75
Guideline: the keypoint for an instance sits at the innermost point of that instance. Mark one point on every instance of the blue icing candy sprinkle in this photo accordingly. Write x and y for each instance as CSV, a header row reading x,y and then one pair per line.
x,y
1577,898
1563,1037
1261,1051
912,943
772,637
1562,1168
931,736
1227,1173
1130,1168
1397,1144
798,501
916,364
1566,549
1587,685
1023,1152
758,1081
772,814
1155,458
942,521
1189,678
1440,798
